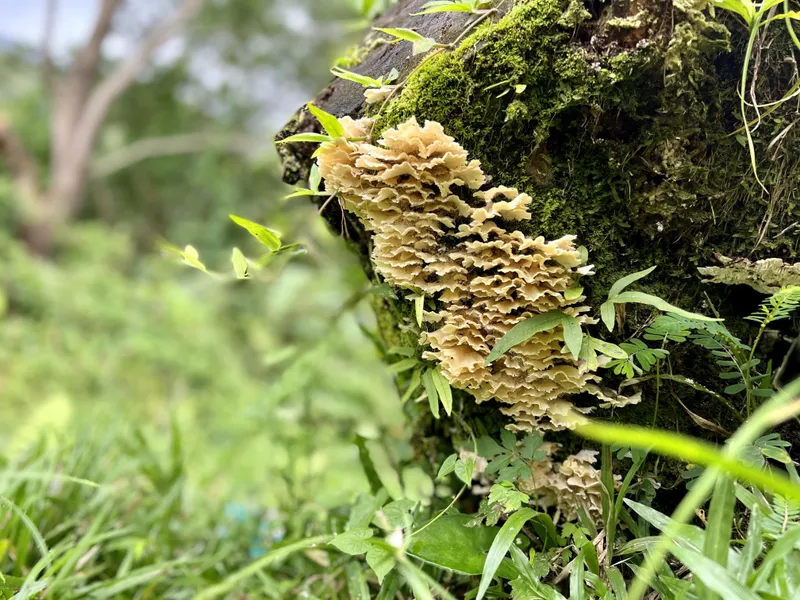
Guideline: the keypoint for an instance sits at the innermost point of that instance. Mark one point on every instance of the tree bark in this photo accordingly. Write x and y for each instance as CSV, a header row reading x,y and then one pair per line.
x,y
618,118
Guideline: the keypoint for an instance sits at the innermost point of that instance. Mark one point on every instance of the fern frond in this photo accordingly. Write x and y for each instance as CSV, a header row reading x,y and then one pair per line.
x,y
778,306
785,515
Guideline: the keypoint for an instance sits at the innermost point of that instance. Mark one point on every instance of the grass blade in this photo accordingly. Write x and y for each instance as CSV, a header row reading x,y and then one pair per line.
x,y
232,580
660,304
502,542
713,575
689,450
718,530
752,546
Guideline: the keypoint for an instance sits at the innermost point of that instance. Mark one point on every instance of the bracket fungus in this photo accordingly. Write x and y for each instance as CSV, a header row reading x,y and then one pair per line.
x,y
567,486
439,228
766,276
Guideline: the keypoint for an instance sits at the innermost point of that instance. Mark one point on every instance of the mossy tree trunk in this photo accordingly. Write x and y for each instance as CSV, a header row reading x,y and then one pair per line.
x,y
618,118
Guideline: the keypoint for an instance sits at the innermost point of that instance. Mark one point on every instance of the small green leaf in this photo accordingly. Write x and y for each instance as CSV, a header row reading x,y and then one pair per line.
x,y
403,365
505,494
589,356
363,509
487,447
443,389
660,304
573,335
419,308
778,454
735,388
430,390
353,541
530,445
380,560
239,264
420,42
315,138
314,178
523,331
266,236
440,6
363,80
448,466
464,469
500,546
624,282
416,379
607,348
329,123
192,258
299,192
608,314
397,513
574,292
509,440
449,544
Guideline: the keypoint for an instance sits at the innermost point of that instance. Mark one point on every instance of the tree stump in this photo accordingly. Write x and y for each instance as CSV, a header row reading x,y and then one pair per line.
x,y
620,119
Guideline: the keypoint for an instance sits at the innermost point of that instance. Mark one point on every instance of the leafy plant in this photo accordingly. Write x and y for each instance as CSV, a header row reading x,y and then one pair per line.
x,y
513,458
524,330
617,295
468,6
757,16
639,360
420,44
364,80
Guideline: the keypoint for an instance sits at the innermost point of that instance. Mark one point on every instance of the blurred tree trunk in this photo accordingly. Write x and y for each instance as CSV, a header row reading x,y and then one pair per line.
x,y
616,117
80,105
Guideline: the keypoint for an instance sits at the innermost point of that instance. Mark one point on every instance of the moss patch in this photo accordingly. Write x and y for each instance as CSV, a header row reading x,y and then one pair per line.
x,y
625,144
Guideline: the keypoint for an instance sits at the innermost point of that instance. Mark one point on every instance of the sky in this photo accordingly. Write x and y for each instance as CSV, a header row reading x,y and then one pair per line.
x,y
23,21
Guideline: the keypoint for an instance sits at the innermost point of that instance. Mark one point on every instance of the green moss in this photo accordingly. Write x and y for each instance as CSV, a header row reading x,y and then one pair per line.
x,y
626,147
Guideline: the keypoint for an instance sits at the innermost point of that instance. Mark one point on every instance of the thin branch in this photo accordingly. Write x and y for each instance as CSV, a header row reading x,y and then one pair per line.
x,y
121,78
47,42
188,143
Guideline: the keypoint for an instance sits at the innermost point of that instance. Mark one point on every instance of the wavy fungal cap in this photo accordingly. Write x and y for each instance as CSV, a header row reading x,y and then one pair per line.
x,y
567,486
438,230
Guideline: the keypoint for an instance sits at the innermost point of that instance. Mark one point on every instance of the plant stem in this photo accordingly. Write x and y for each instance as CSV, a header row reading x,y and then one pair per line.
x,y
754,28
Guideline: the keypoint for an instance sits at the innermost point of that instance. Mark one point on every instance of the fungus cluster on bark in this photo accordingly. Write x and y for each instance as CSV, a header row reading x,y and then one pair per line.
x,y
437,230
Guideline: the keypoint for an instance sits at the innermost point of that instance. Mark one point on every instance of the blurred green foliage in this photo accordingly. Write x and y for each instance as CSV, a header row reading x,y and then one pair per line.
x,y
113,350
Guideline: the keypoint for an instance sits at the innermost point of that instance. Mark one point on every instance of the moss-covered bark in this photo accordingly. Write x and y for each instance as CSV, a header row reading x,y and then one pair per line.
x,y
618,119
